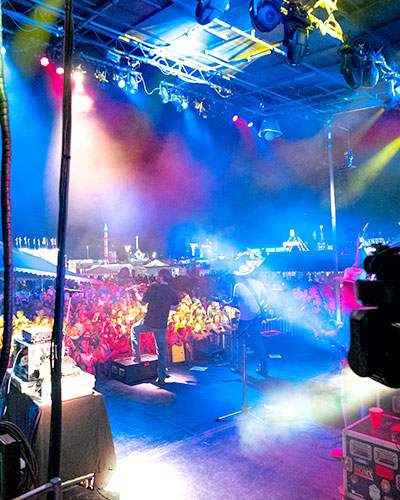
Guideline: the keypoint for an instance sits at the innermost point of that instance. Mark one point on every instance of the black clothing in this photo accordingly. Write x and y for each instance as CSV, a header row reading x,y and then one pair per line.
x,y
159,299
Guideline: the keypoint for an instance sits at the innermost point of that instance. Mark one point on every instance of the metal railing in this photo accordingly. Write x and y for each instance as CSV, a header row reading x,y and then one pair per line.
x,y
53,486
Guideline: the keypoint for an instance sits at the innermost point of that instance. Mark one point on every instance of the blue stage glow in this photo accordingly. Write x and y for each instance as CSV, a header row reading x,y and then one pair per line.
x,y
31,124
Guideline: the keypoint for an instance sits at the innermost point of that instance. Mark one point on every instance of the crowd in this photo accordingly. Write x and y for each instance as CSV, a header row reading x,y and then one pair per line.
x,y
98,317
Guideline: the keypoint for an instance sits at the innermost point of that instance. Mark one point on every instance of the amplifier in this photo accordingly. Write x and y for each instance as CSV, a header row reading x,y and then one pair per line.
x,y
127,371
372,459
37,334
29,360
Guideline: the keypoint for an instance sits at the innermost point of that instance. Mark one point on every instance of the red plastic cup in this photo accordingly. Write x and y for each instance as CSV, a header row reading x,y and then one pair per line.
x,y
376,417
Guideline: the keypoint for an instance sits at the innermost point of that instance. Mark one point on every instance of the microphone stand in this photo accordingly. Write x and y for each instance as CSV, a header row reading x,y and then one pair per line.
x,y
245,409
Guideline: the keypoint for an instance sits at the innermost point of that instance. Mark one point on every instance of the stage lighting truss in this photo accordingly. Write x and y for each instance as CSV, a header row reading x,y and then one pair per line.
x,y
169,93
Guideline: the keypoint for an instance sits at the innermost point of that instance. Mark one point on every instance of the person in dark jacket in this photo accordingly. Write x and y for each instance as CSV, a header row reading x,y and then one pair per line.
x,y
159,297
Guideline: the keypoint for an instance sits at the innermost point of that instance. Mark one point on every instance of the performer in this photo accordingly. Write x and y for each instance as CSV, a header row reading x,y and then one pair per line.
x,y
159,298
248,295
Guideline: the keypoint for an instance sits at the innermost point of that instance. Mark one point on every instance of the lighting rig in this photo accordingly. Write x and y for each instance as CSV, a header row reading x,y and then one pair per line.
x,y
362,67
169,93
298,20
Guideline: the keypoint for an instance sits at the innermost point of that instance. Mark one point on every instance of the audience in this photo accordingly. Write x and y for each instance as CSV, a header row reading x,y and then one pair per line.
x,y
98,317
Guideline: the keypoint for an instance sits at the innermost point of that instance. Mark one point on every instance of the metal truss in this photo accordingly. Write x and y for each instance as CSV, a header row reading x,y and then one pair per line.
x,y
96,41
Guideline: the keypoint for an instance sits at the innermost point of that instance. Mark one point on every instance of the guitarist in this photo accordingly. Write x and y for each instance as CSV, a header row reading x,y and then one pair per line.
x,y
248,295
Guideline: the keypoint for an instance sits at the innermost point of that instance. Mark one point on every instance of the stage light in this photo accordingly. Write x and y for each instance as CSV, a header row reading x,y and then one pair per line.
x,y
208,10
235,118
163,92
78,77
359,64
270,129
296,25
60,70
121,84
134,82
250,124
44,61
265,15
371,72
3,50
101,75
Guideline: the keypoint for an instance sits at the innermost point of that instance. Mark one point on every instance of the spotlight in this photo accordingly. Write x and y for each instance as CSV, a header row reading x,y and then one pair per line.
x,y
235,118
265,15
371,72
250,124
101,75
270,129
60,70
208,10
78,77
296,25
164,94
359,64
121,84
351,67
134,82
44,61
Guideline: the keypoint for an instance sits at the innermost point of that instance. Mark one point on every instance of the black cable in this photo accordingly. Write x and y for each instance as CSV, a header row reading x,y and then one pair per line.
x,y
6,219
29,476
7,392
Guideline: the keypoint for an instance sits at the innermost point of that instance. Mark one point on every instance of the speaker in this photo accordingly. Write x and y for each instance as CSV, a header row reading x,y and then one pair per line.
x,y
129,372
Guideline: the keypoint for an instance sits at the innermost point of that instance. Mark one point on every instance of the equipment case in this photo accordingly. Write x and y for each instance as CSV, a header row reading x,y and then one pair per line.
x,y
372,459
127,371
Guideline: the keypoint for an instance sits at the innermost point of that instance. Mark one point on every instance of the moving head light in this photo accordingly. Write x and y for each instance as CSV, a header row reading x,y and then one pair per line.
x,y
208,10
265,15
296,24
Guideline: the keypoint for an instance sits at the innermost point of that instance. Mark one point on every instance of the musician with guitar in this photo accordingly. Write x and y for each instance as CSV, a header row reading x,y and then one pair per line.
x,y
249,296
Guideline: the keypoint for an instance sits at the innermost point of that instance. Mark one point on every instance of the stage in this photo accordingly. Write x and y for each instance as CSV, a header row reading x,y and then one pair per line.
x,y
169,445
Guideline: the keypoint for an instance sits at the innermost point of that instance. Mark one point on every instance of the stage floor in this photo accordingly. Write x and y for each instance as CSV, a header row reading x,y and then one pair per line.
x,y
169,445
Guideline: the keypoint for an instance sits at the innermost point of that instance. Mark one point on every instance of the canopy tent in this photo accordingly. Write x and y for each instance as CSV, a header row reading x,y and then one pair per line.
x,y
100,271
25,263
156,263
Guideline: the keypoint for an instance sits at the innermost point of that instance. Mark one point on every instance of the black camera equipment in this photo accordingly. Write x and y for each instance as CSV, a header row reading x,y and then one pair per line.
x,y
375,330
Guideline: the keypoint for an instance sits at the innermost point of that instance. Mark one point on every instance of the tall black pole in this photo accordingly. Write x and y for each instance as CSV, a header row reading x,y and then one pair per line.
x,y
333,222
6,218
56,348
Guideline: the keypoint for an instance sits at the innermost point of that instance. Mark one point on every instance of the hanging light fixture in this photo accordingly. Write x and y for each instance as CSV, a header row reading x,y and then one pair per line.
x,y
208,10
296,25
359,64
270,129
265,15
